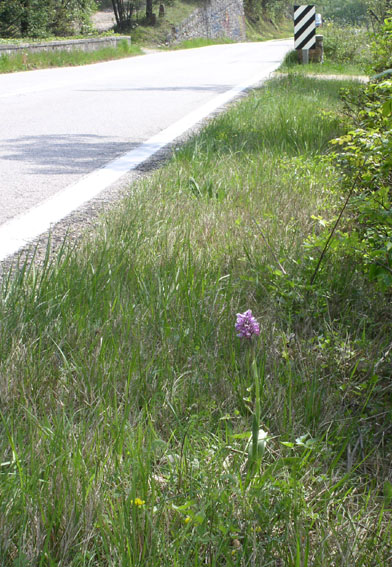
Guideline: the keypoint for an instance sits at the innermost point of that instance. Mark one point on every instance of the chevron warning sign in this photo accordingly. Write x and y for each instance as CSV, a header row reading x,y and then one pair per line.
x,y
304,26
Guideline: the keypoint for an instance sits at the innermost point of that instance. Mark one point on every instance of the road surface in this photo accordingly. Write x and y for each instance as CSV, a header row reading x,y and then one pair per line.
x,y
66,134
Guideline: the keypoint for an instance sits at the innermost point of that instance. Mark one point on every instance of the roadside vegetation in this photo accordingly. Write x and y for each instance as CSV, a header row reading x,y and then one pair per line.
x,y
347,29
26,61
347,50
19,23
200,42
138,429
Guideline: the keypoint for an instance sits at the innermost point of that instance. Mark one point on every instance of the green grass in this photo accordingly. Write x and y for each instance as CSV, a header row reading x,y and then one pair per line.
x,y
260,29
128,402
346,52
325,68
329,66
201,42
27,61
143,35
23,40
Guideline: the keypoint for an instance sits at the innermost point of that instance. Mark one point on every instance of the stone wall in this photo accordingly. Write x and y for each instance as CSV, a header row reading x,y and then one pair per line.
x,y
214,19
67,45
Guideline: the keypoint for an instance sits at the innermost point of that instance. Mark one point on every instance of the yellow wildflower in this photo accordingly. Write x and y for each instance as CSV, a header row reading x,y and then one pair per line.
x,y
139,502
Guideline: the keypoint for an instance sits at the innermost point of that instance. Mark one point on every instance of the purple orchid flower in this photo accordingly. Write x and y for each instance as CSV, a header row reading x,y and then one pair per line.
x,y
246,325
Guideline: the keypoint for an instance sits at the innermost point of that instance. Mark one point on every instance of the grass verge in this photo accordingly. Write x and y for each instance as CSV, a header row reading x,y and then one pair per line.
x,y
259,29
346,52
325,68
137,429
201,42
27,61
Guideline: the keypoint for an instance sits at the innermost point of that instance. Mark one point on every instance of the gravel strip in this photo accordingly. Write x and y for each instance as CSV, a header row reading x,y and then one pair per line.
x,y
82,222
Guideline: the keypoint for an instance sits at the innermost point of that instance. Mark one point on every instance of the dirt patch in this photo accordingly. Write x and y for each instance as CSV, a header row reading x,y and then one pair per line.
x,y
103,20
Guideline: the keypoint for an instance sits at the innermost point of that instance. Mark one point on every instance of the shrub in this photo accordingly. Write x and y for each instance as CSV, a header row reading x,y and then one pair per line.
x,y
364,157
349,12
345,44
381,46
40,18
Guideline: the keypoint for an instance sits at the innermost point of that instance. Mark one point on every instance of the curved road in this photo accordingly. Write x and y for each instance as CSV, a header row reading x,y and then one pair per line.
x,y
67,134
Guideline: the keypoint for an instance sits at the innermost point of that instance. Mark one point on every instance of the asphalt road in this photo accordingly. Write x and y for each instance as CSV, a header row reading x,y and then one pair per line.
x,y
58,126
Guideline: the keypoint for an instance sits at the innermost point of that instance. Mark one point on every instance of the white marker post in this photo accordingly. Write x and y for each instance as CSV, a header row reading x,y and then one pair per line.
x,y
305,29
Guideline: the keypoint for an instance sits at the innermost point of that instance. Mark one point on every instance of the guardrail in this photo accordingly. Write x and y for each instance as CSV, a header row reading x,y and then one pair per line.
x,y
90,44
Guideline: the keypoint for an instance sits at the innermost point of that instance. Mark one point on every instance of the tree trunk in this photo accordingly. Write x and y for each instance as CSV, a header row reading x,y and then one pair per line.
x,y
24,20
115,10
149,15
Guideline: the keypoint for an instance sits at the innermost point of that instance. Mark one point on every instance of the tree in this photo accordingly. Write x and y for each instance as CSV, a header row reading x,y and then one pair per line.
x,y
379,10
272,9
149,13
364,159
40,18
382,47
10,17
123,11
69,14
344,12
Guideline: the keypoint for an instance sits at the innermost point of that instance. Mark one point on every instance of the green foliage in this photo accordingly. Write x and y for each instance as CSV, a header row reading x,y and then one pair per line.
x,y
355,12
136,429
201,42
347,12
123,12
378,11
292,64
364,157
29,61
346,44
267,9
382,46
346,51
40,18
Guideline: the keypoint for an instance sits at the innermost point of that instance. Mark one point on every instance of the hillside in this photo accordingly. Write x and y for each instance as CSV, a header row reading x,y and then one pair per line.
x,y
257,28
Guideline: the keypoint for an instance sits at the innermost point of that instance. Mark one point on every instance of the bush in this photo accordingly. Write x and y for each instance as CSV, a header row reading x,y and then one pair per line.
x,y
382,46
41,18
347,12
345,44
364,157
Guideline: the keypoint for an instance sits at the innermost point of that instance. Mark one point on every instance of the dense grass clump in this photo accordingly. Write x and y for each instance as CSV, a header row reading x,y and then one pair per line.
x,y
138,429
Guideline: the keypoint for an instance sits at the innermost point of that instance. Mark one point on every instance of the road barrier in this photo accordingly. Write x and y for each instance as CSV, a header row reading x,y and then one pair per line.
x,y
91,44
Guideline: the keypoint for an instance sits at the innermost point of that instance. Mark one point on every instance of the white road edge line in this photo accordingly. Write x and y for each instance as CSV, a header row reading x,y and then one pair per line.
x,y
22,229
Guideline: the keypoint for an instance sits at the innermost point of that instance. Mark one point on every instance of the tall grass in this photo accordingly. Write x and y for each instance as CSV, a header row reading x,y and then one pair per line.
x,y
127,401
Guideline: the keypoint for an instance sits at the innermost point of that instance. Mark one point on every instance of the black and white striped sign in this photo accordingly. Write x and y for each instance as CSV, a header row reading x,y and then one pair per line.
x,y
304,26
